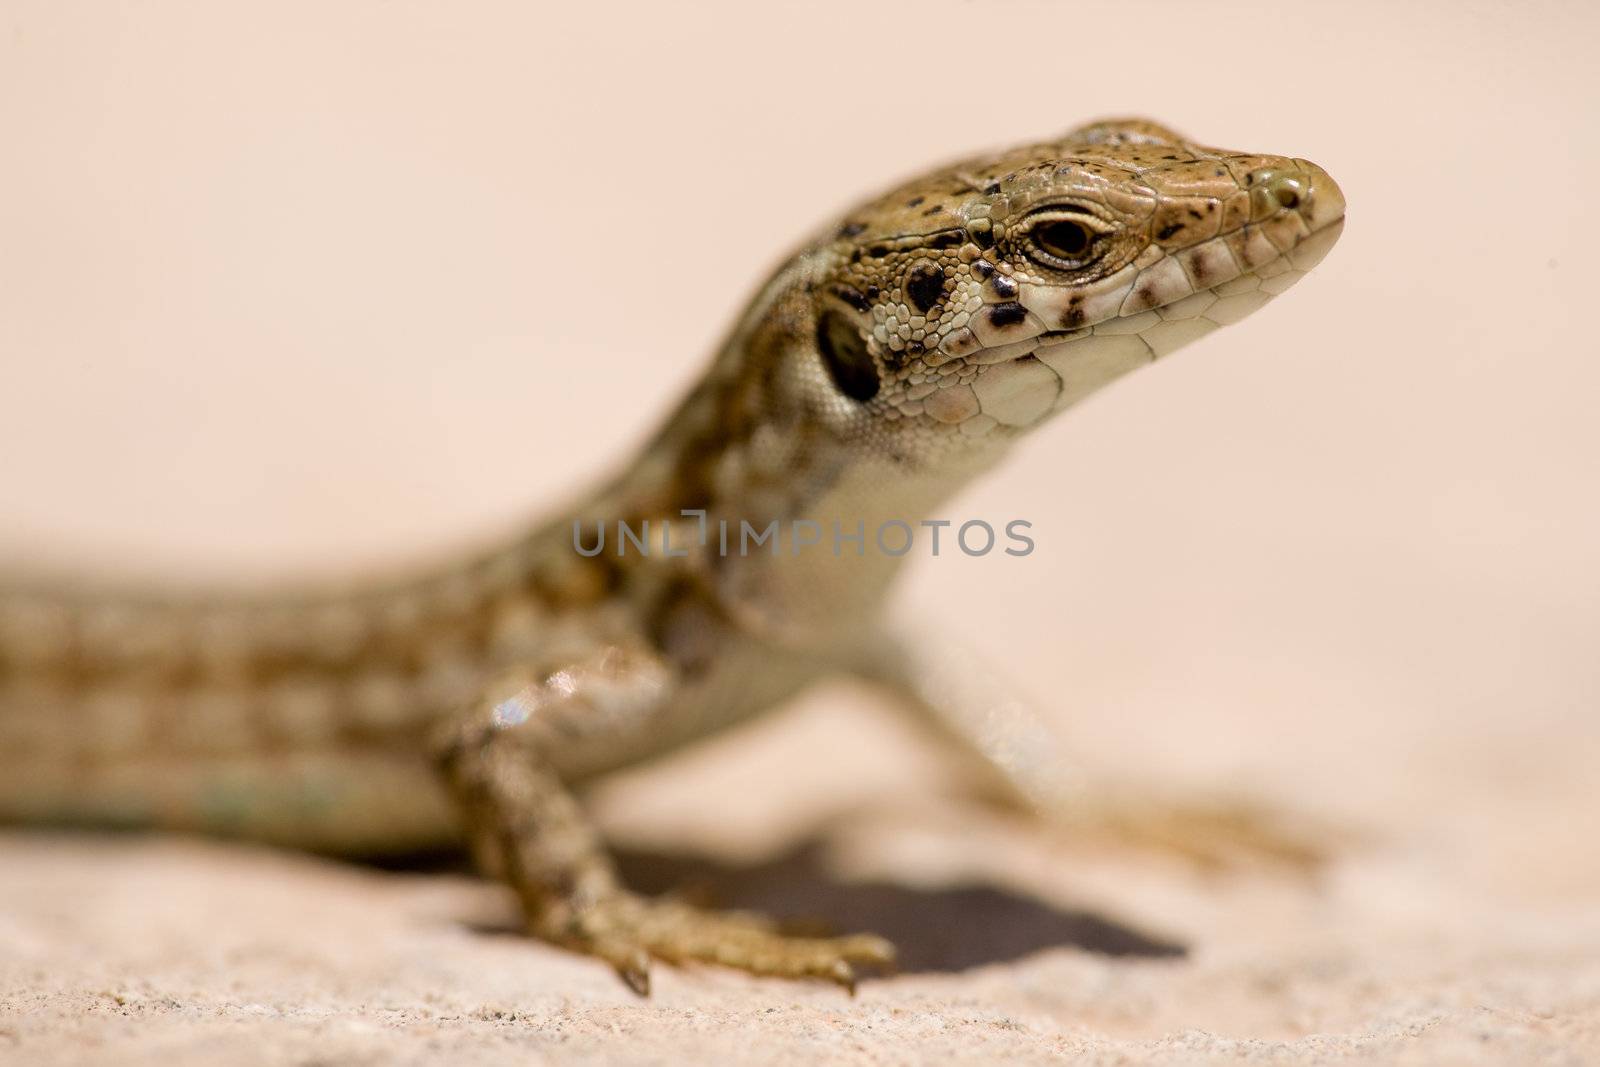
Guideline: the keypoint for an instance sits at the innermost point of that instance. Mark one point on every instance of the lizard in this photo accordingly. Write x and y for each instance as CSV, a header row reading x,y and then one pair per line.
x,y
894,357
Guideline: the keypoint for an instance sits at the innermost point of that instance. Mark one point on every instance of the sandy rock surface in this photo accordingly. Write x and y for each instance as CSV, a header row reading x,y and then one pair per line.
x,y
1019,946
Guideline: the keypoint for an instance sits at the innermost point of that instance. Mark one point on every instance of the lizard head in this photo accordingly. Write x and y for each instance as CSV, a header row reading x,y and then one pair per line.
x,y
965,307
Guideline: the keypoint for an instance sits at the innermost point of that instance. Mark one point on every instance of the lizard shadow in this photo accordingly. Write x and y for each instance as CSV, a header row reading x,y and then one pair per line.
x,y
936,929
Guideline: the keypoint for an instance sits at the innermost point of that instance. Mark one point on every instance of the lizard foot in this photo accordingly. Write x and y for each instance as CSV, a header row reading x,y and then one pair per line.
x,y
628,931
527,828
1211,835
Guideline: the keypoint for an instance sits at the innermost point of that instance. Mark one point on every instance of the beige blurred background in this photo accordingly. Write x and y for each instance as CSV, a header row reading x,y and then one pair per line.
x,y
291,287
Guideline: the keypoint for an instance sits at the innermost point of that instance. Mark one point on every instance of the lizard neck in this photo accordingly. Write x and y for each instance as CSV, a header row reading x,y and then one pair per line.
x,y
789,542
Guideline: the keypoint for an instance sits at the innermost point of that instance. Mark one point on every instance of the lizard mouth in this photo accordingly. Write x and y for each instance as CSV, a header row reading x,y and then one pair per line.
x,y
1189,315
1210,282
1131,318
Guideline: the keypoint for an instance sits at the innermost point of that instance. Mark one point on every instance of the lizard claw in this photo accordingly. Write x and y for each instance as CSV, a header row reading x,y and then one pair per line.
x,y
636,972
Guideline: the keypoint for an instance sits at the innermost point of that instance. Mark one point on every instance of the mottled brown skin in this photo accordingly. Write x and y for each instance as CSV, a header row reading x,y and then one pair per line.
x,y
882,366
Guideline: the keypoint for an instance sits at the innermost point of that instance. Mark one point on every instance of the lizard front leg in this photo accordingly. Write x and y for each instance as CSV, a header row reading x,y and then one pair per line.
x,y
527,828
1023,763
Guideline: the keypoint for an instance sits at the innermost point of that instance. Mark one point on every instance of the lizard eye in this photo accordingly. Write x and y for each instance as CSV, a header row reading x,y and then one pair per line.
x,y
844,353
1064,237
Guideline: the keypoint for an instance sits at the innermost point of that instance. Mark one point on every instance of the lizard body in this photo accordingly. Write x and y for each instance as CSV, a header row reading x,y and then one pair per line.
x,y
889,361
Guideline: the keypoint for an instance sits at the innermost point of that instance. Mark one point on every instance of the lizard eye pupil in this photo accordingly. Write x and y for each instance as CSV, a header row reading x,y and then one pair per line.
x,y
844,353
1063,238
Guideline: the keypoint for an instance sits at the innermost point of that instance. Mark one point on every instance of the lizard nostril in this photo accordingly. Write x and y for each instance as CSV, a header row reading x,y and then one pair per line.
x,y
1276,189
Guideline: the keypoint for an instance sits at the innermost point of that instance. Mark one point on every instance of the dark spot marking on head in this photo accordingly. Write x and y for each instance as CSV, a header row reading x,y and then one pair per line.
x,y
982,236
947,239
915,201
1003,315
852,229
983,268
991,189
844,353
1220,173
924,286
1004,287
1168,230
914,348
934,210
872,292
1193,214
852,297
1073,317
1200,267
878,251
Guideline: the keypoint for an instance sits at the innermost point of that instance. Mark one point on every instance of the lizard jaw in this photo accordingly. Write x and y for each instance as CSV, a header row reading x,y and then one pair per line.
x,y
1153,306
